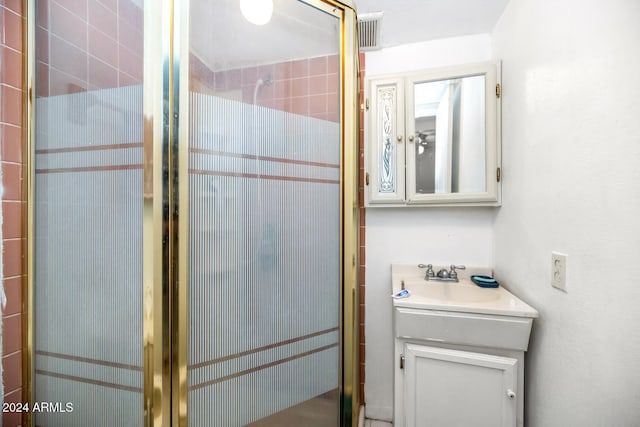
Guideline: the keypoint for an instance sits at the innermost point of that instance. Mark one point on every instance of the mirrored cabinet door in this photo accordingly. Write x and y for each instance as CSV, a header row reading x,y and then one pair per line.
x,y
387,178
451,155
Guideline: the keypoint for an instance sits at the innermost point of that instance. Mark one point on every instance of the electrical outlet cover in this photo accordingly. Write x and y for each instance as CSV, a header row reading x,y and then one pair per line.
x,y
559,270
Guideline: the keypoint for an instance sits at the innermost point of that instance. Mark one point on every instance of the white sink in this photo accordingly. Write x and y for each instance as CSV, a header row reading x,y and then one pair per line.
x,y
451,292
462,296
459,312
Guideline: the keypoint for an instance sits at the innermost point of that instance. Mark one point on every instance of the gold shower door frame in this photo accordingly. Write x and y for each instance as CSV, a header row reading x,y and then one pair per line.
x,y
166,209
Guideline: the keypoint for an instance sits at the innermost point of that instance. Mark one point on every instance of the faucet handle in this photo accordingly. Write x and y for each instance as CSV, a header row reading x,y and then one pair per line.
x,y
453,273
429,272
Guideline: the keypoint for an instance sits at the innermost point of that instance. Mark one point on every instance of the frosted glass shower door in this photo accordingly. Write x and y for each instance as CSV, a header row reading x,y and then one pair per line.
x,y
87,203
264,200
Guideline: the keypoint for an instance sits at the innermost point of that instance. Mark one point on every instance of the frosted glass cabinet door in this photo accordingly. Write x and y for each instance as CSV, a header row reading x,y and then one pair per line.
x,y
387,180
452,388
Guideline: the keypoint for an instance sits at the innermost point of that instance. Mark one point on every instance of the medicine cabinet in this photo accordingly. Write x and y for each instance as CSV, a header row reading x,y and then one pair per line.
x,y
433,137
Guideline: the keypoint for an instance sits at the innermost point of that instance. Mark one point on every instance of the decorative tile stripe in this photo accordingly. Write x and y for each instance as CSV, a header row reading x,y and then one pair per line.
x,y
261,176
259,349
262,367
265,158
89,381
90,361
90,148
90,169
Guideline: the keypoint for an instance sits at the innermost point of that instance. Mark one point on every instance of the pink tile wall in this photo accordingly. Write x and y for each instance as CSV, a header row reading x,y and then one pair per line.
x,y
13,205
88,45
308,86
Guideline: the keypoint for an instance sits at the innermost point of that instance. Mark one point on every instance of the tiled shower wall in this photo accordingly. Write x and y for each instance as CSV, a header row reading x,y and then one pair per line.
x,y
11,85
308,87
87,45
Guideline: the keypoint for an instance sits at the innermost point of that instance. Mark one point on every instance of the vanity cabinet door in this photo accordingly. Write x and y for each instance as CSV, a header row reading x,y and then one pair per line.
x,y
387,179
452,388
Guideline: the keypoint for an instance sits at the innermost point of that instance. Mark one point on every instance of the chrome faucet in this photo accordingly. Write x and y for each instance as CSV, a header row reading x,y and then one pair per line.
x,y
429,274
443,275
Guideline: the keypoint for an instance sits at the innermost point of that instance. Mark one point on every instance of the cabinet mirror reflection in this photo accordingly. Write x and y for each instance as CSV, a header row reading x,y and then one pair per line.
x,y
449,135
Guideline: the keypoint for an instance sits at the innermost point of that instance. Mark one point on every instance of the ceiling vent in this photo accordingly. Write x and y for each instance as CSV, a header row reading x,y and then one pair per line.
x,y
369,31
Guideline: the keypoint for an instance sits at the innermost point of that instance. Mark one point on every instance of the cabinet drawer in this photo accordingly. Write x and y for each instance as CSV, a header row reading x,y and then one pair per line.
x,y
463,328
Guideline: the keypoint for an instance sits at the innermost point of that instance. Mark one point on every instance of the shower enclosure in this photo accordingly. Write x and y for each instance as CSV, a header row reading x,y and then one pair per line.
x,y
192,218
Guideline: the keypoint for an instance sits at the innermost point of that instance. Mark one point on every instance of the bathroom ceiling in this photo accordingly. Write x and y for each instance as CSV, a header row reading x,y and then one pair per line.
x,y
298,31
411,21
223,39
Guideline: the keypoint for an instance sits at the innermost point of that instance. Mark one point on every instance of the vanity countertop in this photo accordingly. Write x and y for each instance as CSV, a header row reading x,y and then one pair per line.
x,y
463,296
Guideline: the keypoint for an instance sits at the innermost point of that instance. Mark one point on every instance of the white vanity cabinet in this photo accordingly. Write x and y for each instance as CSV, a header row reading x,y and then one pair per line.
x,y
459,353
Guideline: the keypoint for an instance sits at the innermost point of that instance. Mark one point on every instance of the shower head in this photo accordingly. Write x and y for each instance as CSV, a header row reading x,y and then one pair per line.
x,y
262,81
266,80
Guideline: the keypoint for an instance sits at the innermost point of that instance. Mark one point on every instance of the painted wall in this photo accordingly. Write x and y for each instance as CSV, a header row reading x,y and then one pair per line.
x,y
434,235
571,146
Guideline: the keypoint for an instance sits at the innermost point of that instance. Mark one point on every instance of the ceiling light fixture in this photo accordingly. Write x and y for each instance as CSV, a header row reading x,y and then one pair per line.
x,y
257,12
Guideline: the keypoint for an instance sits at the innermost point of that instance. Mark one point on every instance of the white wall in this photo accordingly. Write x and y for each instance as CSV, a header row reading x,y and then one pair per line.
x,y
471,174
571,162
431,54
435,235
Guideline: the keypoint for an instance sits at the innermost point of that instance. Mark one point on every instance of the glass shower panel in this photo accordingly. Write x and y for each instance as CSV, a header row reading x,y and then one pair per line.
x,y
265,245
88,213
